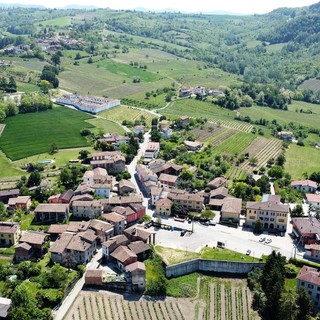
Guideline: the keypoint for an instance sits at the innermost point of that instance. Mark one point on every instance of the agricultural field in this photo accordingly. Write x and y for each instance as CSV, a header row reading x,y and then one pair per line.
x,y
299,161
33,133
207,131
121,113
105,305
235,144
224,299
263,149
235,173
311,84
59,22
196,108
284,117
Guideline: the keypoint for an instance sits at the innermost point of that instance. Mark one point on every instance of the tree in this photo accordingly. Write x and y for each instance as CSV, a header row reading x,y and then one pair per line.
x,y
305,305
272,284
34,179
297,211
45,86
258,227
78,56
3,211
12,85
281,159
288,305
2,116
263,184
155,135
53,148
55,59
83,155
276,172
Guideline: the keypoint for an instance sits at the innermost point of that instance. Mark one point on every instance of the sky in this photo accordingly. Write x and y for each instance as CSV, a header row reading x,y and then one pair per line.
x,y
235,6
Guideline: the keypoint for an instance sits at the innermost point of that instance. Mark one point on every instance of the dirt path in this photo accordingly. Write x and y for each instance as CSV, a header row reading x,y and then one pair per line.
x,y
233,302
212,300
244,303
223,303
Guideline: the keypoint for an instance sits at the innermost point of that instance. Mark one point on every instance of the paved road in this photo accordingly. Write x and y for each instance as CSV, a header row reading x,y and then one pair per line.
x,y
68,301
132,169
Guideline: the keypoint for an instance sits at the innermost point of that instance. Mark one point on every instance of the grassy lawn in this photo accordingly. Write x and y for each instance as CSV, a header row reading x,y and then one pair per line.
x,y
173,256
121,113
301,160
7,251
291,284
184,286
7,167
43,263
33,133
105,126
27,87
225,254
26,223
60,158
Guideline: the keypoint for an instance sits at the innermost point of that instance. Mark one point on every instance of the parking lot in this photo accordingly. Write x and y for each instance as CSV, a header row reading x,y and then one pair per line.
x,y
237,239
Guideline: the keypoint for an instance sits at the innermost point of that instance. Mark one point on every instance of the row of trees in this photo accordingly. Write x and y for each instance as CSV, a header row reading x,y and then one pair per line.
x,y
34,102
8,85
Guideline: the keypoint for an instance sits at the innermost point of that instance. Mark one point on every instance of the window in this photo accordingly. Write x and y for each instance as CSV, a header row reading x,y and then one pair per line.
x,y
310,286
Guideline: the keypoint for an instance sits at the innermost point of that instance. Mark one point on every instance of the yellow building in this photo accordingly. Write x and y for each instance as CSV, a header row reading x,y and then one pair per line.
x,y
163,207
273,215
9,233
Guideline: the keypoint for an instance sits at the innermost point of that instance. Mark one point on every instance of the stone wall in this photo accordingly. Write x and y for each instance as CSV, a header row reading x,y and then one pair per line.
x,y
219,266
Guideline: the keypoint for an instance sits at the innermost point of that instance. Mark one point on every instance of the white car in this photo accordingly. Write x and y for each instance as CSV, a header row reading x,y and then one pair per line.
x,y
262,239
212,222
268,241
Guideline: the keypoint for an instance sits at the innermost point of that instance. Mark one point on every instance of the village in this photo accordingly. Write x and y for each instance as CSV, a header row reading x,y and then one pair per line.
x,y
110,226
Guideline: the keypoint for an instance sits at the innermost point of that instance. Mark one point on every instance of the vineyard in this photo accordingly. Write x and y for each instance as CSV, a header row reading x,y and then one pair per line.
x,y
235,173
236,143
121,113
263,149
237,125
208,132
224,300
102,306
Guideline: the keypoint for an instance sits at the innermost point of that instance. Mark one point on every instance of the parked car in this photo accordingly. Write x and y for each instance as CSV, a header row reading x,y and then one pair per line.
x,y
182,233
212,222
262,239
221,244
205,223
268,240
248,252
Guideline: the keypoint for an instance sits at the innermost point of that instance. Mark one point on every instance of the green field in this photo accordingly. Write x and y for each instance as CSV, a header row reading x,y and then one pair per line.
x,y
7,168
105,125
284,117
302,160
126,113
195,108
59,22
34,133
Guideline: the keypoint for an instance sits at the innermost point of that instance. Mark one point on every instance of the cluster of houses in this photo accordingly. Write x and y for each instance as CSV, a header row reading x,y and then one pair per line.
x,y
91,104
199,91
51,44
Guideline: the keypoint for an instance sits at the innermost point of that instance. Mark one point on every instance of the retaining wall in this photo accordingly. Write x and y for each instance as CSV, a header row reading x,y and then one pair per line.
x,y
219,266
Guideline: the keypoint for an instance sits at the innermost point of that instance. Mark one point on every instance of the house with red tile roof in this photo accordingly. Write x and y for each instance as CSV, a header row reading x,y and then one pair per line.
x,y
309,278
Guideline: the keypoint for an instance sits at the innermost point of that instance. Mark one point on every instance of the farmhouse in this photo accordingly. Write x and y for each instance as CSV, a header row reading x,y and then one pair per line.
x,y
113,161
9,233
125,187
117,220
189,201
112,243
20,202
304,185
64,197
309,278
136,274
152,150
193,145
124,256
88,103
313,200
285,135
87,209
47,212
5,195
167,180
